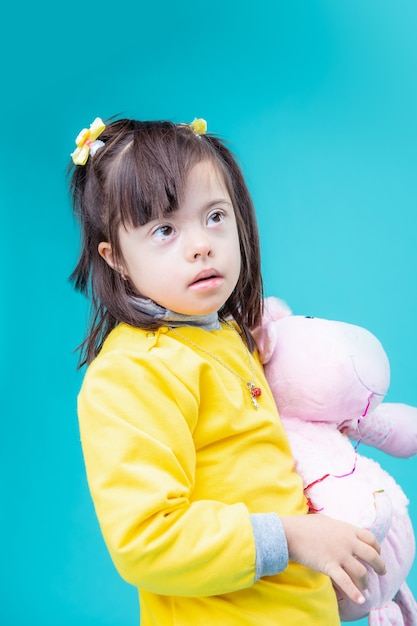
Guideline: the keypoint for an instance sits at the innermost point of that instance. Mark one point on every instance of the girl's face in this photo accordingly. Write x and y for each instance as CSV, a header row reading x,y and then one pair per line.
x,y
190,261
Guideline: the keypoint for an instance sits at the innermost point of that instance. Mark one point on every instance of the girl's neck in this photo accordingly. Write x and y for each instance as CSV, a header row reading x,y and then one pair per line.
x,y
209,321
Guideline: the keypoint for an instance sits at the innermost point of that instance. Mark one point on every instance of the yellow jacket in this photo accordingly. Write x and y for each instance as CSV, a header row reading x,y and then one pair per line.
x,y
177,459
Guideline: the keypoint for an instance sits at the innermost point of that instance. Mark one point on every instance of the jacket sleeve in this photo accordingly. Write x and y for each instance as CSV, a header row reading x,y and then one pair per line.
x,y
136,427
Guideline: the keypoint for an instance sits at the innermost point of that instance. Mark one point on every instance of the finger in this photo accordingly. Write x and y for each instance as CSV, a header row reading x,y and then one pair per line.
x,y
369,538
369,555
343,581
357,572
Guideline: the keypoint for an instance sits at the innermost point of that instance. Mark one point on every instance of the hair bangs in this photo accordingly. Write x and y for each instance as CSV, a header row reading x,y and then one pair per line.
x,y
148,177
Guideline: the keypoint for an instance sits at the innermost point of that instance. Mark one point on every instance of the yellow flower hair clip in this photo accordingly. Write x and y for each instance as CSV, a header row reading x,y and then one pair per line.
x,y
198,126
87,141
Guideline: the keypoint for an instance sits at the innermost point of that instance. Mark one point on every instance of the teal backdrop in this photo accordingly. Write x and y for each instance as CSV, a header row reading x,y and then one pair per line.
x,y
318,99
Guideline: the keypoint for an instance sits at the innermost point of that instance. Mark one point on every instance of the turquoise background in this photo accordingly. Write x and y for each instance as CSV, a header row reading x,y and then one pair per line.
x,y
318,99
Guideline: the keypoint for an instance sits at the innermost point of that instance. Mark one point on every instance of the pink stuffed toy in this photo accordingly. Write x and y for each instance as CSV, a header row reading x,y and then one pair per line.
x,y
328,379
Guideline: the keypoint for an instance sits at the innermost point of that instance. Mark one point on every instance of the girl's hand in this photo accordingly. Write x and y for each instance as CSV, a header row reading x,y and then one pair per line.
x,y
334,548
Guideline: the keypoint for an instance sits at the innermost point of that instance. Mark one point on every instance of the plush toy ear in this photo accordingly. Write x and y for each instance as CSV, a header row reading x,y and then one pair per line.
x,y
265,335
275,309
266,338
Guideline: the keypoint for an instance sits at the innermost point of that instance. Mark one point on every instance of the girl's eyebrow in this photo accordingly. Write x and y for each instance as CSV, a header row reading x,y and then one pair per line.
x,y
212,203
218,201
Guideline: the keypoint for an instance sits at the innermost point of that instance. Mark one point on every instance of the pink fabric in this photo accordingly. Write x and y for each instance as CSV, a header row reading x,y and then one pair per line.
x,y
387,615
407,604
328,379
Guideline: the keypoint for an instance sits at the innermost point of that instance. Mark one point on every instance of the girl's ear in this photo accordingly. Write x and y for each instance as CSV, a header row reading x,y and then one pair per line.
x,y
106,252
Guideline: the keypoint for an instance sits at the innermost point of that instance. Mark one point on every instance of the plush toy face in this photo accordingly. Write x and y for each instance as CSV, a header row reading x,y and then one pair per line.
x,y
323,370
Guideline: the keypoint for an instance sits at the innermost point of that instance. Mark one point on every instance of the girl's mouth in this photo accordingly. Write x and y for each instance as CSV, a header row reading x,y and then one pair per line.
x,y
206,280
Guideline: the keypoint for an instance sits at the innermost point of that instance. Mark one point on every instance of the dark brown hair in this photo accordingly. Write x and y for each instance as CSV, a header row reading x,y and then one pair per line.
x,y
139,175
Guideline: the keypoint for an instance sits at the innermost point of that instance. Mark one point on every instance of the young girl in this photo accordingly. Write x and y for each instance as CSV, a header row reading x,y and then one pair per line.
x,y
187,461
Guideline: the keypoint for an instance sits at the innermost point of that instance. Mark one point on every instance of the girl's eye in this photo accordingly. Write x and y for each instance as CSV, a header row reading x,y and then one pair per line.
x,y
216,217
163,231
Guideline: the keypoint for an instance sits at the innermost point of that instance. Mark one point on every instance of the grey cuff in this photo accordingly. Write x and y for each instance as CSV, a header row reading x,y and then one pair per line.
x,y
271,544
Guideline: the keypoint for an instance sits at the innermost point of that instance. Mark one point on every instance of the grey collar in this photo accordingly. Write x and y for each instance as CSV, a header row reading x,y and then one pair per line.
x,y
171,318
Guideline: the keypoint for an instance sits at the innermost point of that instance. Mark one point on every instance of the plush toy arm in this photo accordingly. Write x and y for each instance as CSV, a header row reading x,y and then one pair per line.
x,y
391,427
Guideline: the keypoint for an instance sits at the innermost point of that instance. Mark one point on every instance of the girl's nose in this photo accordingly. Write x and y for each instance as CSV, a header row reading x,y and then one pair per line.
x,y
198,246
